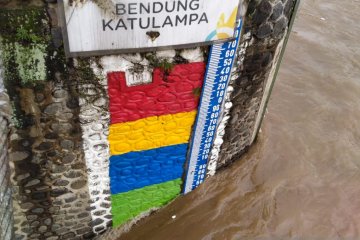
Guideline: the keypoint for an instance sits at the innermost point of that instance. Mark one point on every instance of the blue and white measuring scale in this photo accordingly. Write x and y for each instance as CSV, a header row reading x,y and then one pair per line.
x,y
217,77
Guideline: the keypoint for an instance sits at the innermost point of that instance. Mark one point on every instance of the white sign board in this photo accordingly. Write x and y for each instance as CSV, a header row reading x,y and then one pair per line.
x,y
107,26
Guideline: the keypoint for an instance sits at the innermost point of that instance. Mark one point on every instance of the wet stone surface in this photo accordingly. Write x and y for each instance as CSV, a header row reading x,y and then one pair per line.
x,y
49,170
265,26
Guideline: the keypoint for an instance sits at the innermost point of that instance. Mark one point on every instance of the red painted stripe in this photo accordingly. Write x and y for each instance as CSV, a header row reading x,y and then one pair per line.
x,y
177,92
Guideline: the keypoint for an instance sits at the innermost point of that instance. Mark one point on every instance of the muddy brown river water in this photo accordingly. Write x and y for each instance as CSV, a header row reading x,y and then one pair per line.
x,y
301,180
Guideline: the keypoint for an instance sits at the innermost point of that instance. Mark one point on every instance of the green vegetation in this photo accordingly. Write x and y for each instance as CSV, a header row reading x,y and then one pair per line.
x,y
84,76
156,62
24,45
25,26
27,53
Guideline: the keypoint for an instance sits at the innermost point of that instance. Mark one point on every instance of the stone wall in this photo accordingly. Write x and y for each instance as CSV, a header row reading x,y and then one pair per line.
x,y
266,24
59,143
51,199
94,118
50,175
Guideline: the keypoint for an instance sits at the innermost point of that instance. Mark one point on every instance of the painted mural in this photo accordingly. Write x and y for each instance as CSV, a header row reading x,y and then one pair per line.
x,y
149,134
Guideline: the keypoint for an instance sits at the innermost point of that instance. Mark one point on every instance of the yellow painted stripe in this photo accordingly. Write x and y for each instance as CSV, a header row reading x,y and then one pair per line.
x,y
151,132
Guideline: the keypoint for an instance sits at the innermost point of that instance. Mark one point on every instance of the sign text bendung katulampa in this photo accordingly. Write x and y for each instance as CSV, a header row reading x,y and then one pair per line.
x,y
182,18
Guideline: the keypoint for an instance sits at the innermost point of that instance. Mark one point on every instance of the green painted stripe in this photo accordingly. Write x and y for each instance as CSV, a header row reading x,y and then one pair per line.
x,y
128,205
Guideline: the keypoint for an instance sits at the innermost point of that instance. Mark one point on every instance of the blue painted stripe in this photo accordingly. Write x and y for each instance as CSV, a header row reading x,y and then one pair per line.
x,y
139,169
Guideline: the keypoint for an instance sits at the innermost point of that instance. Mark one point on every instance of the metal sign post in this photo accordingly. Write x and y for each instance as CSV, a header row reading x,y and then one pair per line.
x,y
220,62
